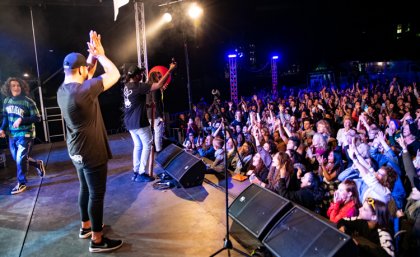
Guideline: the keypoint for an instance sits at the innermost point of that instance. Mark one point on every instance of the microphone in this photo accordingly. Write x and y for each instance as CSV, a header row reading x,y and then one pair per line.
x,y
174,63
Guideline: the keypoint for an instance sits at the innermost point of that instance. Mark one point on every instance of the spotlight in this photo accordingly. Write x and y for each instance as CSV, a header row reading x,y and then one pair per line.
x,y
167,17
275,57
232,55
195,11
26,75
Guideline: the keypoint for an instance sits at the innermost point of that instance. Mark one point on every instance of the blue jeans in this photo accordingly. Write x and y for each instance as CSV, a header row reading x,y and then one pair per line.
x,y
142,139
20,148
92,193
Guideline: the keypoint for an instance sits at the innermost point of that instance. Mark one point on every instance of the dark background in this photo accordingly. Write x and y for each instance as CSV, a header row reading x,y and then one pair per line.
x,y
304,33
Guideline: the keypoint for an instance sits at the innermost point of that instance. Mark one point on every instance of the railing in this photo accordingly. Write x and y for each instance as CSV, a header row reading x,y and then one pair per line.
x,y
53,115
177,134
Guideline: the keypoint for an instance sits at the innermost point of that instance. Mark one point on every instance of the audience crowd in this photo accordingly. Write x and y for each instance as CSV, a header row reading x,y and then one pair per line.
x,y
351,155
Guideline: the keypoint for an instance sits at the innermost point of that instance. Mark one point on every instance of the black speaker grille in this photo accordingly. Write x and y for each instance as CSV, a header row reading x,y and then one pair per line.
x,y
300,233
256,207
187,169
167,155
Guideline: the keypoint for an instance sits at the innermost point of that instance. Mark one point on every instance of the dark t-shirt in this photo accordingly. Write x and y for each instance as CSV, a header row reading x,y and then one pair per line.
x,y
157,98
135,110
413,147
86,134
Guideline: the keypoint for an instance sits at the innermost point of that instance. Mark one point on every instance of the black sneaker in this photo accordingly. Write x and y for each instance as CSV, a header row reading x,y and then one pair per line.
x,y
19,188
86,232
144,178
106,245
40,168
133,178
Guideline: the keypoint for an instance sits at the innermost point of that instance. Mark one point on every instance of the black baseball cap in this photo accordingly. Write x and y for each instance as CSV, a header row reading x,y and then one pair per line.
x,y
74,60
134,70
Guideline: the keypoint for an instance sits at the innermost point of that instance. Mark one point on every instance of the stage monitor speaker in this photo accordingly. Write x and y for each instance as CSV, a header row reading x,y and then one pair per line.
x,y
301,233
187,169
254,212
168,154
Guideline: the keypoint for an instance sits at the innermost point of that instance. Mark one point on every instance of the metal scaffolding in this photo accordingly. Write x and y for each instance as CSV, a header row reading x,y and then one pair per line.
x,y
141,35
274,76
233,79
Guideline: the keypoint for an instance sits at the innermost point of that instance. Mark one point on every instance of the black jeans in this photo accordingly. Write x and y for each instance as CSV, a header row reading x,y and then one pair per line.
x,y
92,193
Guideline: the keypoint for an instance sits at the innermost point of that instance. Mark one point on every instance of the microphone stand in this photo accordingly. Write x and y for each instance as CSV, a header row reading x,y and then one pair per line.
x,y
227,245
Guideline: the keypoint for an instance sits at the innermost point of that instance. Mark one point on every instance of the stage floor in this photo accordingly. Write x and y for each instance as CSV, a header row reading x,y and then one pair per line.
x,y
44,220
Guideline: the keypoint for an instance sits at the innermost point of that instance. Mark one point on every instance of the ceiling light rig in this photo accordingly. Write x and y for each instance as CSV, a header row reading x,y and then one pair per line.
x,y
193,11
169,3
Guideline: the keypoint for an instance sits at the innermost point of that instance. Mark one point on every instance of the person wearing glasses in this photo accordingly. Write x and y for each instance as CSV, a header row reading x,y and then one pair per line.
x,y
377,184
370,229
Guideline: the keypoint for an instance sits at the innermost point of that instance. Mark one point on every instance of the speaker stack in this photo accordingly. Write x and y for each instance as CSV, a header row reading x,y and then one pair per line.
x,y
262,218
185,168
253,212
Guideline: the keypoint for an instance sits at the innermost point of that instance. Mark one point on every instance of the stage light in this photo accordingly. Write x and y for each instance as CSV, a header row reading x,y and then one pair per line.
x,y
195,11
167,17
26,75
155,26
275,57
232,55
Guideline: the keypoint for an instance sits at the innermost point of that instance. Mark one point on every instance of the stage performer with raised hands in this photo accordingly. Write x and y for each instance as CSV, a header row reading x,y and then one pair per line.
x,y
155,99
136,120
86,135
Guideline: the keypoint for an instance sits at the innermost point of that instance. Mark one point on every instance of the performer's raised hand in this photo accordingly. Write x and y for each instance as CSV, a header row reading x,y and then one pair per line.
x,y
172,65
95,46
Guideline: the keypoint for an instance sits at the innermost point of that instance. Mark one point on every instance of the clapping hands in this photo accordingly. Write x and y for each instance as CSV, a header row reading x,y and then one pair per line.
x,y
95,47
